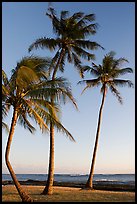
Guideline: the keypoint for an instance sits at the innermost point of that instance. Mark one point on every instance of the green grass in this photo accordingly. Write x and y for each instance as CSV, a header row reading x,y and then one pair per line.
x,y
65,194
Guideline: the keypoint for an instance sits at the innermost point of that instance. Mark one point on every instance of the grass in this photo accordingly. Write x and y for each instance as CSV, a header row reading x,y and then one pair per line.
x,y
67,194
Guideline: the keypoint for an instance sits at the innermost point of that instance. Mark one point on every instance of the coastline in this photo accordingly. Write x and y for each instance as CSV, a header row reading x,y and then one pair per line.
x,y
97,186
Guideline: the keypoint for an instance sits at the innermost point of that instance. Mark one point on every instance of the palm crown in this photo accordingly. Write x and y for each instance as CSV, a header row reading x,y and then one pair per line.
x,y
29,91
70,41
107,74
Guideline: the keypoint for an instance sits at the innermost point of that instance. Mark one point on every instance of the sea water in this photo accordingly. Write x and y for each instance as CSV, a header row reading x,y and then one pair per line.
x,y
77,178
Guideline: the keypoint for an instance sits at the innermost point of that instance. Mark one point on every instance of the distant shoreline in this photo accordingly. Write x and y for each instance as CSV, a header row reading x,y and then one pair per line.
x,y
97,186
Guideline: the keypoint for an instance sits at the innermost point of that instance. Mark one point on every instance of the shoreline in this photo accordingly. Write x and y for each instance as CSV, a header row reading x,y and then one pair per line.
x,y
97,186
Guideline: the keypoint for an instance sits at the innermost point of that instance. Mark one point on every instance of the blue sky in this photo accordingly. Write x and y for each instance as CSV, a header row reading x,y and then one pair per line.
x,y
22,24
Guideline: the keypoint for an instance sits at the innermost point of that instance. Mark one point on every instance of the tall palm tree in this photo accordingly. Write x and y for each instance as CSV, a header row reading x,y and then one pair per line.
x,y
71,44
63,95
107,75
27,95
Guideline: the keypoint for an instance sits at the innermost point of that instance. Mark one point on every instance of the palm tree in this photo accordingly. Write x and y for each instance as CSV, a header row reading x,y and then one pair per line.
x,y
62,95
24,92
107,75
71,44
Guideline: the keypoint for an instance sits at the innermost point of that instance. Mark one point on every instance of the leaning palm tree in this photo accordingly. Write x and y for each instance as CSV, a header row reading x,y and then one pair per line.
x,y
107,75
23,92
71,44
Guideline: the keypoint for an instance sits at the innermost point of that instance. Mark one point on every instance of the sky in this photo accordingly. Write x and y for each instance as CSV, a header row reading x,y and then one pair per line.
x,y
22,24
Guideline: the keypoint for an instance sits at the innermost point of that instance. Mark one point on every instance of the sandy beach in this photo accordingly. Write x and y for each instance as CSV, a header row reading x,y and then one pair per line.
x,y
67,194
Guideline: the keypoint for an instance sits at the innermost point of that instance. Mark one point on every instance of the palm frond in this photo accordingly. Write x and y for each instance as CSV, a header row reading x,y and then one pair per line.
x,y
122,82
69,55
121,71
116,93
90,83
88,44
85,19
55,20
26,76
64,15
36,114
62,129
89,30
84,54
4,78
77,16
119,62
23,121
44,42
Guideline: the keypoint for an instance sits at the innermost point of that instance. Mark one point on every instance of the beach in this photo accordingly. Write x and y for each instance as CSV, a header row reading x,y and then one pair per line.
x,y
70,188
67,194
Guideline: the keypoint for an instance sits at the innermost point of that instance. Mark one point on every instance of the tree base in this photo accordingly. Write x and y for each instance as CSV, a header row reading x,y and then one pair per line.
x,y
87,188
47,191
26,198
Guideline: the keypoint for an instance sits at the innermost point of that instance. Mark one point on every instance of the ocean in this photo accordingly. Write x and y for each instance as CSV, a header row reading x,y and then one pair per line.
x,y
125,179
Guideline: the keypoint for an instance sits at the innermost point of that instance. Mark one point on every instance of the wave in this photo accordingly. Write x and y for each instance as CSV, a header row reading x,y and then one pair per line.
x,y
107,180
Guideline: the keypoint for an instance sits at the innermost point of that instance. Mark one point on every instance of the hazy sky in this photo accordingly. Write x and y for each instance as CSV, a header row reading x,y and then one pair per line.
x,y
22,24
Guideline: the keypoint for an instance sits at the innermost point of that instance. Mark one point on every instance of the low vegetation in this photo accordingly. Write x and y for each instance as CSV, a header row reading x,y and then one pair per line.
x,y
65,194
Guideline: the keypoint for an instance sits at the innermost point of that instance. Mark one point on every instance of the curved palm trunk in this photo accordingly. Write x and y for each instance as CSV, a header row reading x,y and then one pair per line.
x,y
89,183
48,190
24,196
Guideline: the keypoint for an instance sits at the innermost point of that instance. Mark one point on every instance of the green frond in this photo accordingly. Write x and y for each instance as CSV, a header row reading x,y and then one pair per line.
x,y
90,17
22,119
25,76
122,82
86,44
4,78
93,82
90,83
64,15
92,71
36,114
77,64
116,93
84,54
77,16
62,129
4,110
121,71
44,42
119,62
69,55
86,87
5,90
52,11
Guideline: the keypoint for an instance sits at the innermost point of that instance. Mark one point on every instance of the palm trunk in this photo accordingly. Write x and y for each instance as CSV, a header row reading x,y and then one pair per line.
x,y
49,186
48,190
89,183
58,62
24,196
